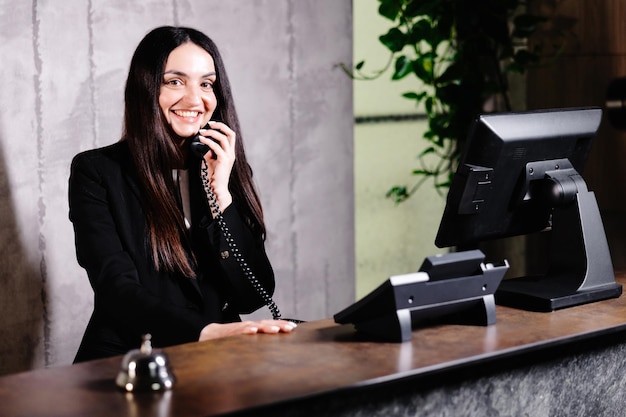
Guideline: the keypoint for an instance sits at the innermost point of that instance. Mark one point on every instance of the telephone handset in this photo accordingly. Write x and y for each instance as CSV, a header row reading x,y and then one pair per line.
x,y
200,149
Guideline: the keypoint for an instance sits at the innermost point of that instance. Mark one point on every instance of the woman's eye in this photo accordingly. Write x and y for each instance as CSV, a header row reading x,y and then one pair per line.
x,y
173,82
207,85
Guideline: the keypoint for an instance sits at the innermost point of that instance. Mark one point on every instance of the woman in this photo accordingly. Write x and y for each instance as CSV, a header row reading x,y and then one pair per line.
x,y
158,259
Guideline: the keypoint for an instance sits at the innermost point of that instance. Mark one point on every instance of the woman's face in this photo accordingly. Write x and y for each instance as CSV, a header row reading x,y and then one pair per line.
x,y
187,98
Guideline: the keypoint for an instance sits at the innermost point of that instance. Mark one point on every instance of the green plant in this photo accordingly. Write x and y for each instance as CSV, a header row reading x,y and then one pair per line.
x,y
461,52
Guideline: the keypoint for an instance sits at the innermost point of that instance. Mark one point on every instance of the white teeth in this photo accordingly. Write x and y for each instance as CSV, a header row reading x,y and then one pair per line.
x,y
186,113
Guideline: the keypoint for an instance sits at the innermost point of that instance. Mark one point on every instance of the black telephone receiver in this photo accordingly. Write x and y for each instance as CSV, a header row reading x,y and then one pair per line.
x,y
198,148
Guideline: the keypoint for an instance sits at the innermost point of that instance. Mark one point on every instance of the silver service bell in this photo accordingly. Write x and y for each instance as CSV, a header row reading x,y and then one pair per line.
x,y
145,369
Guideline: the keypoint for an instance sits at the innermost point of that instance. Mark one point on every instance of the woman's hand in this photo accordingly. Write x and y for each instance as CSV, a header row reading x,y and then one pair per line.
x,y
221,139
219,330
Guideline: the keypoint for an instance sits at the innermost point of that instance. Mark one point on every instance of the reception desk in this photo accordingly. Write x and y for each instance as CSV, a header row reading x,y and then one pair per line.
x,y
568,362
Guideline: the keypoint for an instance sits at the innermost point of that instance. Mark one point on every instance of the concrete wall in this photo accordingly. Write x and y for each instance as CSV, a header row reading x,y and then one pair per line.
x,y
63,71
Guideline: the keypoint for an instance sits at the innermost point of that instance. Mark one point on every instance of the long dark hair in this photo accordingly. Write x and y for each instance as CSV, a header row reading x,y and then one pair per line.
x,y
155,153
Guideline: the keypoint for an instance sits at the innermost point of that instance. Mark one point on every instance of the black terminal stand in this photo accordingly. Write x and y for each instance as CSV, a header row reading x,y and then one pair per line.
x,y
455,285
580,269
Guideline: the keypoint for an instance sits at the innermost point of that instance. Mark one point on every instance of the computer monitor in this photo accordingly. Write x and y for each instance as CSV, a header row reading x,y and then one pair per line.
x,y
520,173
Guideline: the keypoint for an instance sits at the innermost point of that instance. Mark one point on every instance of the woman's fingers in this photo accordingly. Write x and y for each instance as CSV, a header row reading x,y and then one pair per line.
x,y
218,330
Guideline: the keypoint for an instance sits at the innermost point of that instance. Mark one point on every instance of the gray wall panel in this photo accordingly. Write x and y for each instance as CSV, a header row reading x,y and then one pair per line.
x,y
65,66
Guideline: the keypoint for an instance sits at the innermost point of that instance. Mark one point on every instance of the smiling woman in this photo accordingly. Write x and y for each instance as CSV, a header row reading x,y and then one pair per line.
x,y
145,230
187,98
295,111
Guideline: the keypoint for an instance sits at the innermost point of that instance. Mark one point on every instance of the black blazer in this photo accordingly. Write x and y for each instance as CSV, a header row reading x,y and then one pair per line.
x,y
131,298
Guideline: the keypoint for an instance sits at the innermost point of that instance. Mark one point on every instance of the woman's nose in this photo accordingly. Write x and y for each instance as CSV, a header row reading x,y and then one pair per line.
x,y
193,95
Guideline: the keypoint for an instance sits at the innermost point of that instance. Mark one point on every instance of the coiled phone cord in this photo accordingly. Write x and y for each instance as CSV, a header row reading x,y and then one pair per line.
x,y
212,200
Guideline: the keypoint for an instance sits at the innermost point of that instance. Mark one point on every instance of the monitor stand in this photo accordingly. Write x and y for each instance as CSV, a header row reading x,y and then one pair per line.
x,y
580,269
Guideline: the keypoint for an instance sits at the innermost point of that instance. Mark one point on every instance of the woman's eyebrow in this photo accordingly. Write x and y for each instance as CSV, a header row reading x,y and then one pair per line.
x,y
182,74
175,72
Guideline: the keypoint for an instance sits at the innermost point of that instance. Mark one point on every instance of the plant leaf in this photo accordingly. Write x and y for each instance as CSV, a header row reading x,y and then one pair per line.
x,y
423,67
398,193
389,9
418,97
453,72
420,31
403,68
423,172
421,7
394,40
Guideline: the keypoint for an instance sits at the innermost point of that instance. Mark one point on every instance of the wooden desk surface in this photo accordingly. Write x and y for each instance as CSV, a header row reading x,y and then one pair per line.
x,y
243,372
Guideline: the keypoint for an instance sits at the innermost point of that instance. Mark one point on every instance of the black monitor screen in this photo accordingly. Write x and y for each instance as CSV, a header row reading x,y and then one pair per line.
x,y
490,196
520,173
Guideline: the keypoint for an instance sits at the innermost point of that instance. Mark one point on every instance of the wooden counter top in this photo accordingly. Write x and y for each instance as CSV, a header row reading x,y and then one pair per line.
x,y
244,372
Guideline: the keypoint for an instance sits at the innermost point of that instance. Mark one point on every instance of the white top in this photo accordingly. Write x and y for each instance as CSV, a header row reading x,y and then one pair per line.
x,y
181,176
